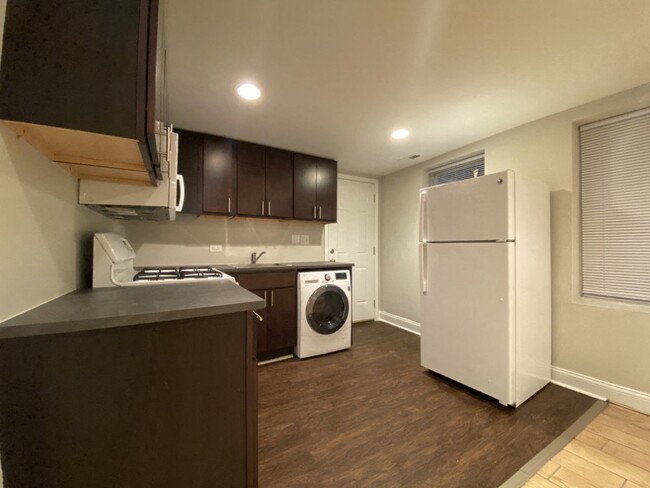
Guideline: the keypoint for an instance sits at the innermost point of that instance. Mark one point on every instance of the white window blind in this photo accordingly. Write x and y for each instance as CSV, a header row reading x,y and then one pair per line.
x,y
458,170
615,198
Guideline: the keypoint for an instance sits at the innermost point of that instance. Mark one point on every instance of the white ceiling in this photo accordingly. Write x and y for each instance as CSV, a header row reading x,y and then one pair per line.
x,y
337,76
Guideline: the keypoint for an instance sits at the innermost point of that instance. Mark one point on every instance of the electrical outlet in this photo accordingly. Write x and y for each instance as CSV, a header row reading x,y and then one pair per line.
x,y
304,239
216,248
295,239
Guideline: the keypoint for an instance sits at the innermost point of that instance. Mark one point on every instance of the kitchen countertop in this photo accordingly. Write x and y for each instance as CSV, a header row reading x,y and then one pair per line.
x,y
312,265
102,308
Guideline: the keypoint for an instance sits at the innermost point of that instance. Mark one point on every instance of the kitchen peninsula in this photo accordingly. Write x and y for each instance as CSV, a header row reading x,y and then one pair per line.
x,y
106,384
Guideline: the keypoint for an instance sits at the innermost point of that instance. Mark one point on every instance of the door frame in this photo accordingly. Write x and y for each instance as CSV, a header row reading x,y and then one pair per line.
x,y
326,247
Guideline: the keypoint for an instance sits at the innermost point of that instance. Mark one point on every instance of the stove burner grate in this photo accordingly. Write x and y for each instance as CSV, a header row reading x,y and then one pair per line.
x,y
180,273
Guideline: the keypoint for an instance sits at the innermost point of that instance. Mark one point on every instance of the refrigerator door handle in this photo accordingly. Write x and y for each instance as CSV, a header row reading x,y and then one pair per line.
x,y
423,207
423,268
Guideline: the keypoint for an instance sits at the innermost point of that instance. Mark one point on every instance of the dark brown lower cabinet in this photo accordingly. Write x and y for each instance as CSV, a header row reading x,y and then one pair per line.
x,y
171,404
282,323
261,325
279,330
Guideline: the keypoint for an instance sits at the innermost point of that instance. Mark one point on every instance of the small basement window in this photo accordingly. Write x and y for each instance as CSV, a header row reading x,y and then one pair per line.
x,y
462,169
615,207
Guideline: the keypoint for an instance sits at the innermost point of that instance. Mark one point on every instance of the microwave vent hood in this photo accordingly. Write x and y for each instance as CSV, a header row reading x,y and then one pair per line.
x,y
120,212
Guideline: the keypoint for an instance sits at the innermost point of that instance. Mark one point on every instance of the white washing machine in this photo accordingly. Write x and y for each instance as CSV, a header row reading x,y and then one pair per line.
x,y
324,312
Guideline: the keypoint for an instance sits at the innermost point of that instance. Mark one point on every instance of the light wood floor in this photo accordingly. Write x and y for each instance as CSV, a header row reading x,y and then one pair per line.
x,y
612,452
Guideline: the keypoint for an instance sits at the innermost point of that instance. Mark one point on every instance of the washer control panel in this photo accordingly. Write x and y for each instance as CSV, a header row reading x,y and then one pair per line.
x,y
337,277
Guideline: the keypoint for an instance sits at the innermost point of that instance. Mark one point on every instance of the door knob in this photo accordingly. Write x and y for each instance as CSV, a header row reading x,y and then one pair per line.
x,y
331,251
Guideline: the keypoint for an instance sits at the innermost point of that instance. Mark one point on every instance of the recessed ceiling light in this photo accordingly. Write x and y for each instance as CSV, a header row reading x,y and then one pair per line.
x,y
400,134
249,91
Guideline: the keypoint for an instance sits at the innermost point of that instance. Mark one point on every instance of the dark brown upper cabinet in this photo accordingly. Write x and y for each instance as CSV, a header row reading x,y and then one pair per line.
x,y
236,178
79,81
314,188
251,180
264,181
279,183
207,164
219,175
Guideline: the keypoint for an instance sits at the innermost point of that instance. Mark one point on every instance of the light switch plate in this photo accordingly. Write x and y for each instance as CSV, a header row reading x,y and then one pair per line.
x,y
295,239
216,248
304,239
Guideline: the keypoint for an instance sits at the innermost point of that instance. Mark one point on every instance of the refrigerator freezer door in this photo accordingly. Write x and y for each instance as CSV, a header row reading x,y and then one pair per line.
x,y
480,209
467,316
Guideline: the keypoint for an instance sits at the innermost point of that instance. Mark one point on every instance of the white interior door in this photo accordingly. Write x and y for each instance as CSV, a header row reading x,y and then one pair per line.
x,y
352,240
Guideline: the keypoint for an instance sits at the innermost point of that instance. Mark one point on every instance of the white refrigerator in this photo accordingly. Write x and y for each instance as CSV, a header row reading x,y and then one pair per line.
x,y
485,284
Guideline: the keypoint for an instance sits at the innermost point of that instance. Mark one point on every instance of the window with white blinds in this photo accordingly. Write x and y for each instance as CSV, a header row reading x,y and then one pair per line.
x,y
615,199
463,169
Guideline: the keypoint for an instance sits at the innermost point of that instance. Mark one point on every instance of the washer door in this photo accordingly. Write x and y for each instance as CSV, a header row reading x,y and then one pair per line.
x,y
327,309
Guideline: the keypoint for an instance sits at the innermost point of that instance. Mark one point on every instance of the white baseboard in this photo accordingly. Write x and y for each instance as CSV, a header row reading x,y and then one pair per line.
x,y
620,395
593,387
401,322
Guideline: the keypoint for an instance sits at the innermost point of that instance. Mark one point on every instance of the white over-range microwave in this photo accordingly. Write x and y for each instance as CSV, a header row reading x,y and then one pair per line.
x,y
136,202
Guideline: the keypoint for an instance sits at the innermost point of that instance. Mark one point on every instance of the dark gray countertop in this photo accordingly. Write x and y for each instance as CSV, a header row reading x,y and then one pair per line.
x,y
312,265
101,308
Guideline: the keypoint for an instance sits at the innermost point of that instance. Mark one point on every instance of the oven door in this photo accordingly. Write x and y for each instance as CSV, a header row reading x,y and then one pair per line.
x,y
327,309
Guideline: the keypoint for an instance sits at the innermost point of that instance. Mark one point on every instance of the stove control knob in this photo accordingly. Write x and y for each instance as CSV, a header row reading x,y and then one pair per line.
x,y
327,277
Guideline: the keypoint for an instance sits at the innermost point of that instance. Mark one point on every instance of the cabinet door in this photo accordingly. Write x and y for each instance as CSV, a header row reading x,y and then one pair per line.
x,y
190,165
250,180
279,183
304,187
282,324
326,190
261,326
218,175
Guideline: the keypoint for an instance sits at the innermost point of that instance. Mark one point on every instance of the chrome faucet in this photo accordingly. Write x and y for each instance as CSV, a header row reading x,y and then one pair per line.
x,y
256,257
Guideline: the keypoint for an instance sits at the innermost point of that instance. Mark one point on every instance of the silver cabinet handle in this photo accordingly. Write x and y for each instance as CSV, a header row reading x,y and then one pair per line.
x,y
314,211
228,204
272,297
265,302
268,207
320,212
262,207
257,316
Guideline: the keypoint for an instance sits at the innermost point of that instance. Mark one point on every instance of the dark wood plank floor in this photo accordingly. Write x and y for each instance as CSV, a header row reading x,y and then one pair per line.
x,y
371,416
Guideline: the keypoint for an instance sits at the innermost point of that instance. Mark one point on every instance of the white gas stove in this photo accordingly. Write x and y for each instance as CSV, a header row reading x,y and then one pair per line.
x,y
113,266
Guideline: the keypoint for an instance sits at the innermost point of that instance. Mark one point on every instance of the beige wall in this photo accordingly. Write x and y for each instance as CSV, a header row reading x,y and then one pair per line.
x,y
45,234
187,240
597,338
